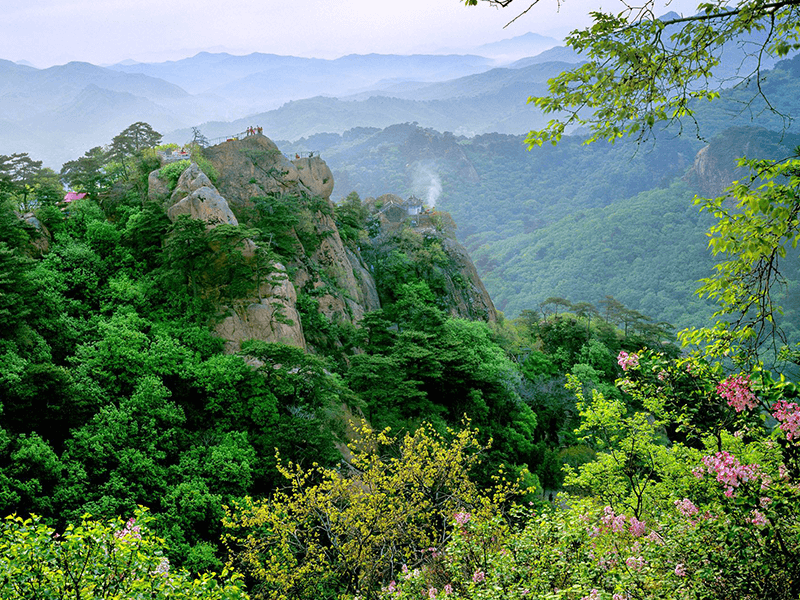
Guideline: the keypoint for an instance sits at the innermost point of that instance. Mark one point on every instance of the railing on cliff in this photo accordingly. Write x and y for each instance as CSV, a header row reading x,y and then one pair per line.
x,y
298,155
236,136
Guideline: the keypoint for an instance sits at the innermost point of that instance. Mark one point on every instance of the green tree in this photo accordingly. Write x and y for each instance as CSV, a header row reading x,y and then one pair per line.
x,y
88,173
350,530
18,177
757,234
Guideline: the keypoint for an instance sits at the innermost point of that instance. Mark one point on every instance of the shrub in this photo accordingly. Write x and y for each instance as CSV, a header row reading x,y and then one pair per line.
x,y
95,560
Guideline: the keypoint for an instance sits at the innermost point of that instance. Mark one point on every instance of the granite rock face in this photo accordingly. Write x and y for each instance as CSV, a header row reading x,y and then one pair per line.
x,y
335,274
254,167
715,166
197,197
271,315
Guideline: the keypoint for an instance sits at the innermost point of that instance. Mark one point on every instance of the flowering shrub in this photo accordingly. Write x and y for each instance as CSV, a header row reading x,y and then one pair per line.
x,y
736,390
96,560
353,531
627,361
708,514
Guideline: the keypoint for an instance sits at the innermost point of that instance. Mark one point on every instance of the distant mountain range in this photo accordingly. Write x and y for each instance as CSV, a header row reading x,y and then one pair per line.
x,y
56,114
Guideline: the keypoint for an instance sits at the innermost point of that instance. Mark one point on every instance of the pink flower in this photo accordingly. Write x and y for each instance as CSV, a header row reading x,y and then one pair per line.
x,y
627,361
478,576
462,518
730,472
758,519
637,528
635,563
593,595
615,522
788,415
432,592
131,531
736,390
686,507
680,570
448,589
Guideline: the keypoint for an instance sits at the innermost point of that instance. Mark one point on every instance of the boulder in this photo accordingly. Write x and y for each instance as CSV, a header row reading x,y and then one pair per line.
x,y
315,174
205,204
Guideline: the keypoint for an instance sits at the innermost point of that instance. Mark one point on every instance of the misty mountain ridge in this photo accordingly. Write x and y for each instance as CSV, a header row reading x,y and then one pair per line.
x,y
47,112
291,97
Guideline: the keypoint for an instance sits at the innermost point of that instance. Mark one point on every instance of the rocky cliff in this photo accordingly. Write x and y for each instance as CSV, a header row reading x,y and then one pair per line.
x,y
715,165
252,174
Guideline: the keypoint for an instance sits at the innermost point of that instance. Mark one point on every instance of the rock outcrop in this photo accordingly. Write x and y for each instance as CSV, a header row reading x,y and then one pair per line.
x,y
336,275
715,166
271,315
255,167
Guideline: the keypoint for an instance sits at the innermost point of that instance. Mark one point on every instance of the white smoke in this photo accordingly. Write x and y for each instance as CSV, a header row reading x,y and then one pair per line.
x,y
426,183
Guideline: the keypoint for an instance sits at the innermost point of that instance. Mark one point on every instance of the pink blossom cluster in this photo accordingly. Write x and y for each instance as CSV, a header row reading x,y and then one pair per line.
x,y
730,472
462,518
627,361
478,576
686,507
593,595
615,523
620,597
788,415
635,563
432,593
736,390
129,532
757,518
636,527
680,570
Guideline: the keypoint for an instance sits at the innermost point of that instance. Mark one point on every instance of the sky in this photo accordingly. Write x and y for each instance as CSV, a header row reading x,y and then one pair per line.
x,y
51,32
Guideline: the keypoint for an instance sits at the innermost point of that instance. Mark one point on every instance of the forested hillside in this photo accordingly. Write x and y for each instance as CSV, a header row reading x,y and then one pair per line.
x,y
570,220
216,383
167,335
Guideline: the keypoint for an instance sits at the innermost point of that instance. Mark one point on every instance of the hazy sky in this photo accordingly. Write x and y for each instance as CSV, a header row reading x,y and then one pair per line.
x,y
48,32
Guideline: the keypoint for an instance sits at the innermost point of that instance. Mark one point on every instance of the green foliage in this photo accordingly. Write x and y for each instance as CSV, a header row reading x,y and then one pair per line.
x,y
172,172
95,559
351,219
756,234
649,517
88,174
15,288
277,217
634,78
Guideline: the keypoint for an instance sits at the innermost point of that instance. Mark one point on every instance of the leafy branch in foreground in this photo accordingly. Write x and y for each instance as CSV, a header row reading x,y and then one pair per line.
x,y
349,530
754,232
642,70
